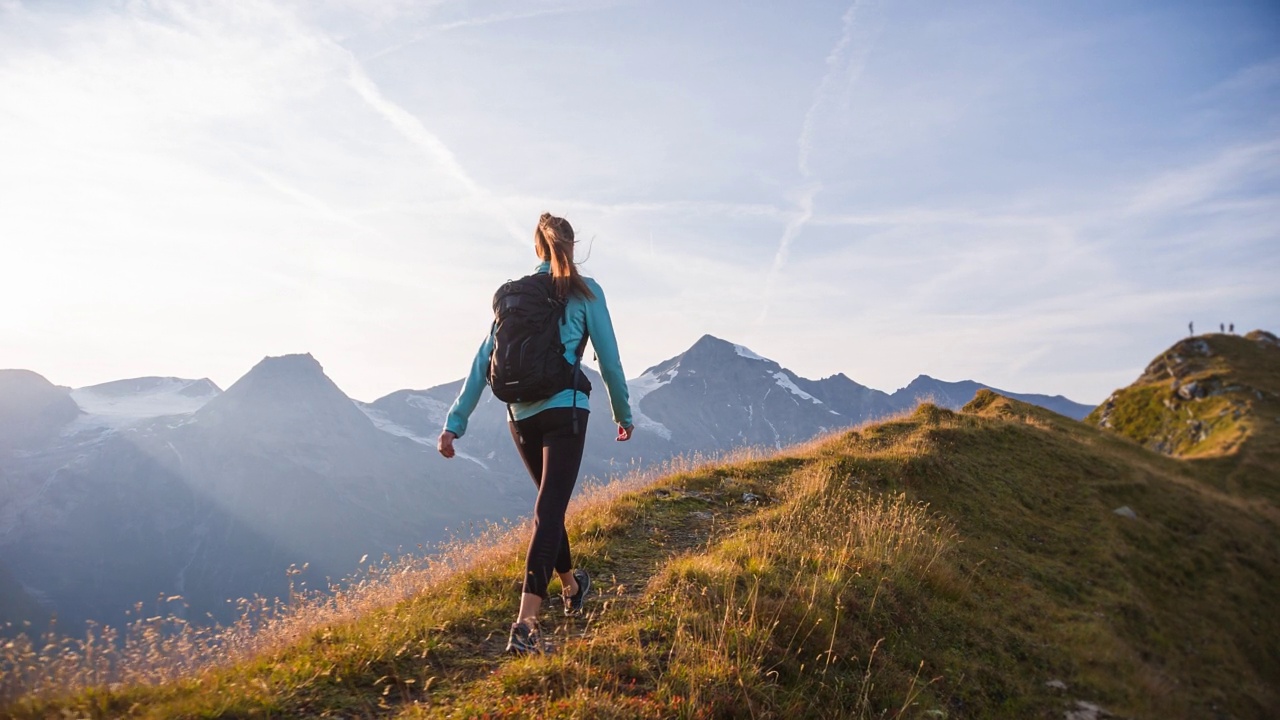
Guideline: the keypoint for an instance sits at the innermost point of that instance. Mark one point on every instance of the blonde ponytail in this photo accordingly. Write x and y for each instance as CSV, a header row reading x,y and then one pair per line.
x,y
553,239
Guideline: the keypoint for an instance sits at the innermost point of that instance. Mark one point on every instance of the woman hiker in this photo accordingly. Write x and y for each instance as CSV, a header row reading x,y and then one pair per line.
x,y
549,432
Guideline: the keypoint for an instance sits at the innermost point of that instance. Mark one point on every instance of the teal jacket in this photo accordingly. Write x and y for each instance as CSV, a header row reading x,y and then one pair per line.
x,y
580,313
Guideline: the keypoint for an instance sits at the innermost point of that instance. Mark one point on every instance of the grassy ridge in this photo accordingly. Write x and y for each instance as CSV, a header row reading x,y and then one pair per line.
x,y
1207,396
938,565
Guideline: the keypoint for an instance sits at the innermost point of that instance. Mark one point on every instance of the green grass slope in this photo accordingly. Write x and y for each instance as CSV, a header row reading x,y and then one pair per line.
x,y
1212,399
939,565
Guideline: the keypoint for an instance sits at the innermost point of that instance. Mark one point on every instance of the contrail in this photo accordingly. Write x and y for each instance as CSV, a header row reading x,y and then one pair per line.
x,y
473,22
846,60
418,134
505,17
835,61
302,197
789,233
411,128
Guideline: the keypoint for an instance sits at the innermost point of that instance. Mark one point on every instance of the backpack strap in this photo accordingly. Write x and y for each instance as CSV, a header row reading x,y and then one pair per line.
x,y
511,415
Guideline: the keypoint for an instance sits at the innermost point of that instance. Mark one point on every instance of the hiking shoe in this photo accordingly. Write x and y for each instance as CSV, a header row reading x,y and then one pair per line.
x,y
573,603
524,640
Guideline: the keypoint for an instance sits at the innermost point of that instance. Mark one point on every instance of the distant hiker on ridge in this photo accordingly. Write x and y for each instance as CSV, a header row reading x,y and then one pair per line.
x,y
1222,328
1233,328
531,359
1191,329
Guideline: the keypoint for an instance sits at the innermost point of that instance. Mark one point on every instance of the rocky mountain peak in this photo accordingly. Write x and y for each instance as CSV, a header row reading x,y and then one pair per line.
x,y
294,365
200,388
290,390
15,381
710,351
283,377
709,346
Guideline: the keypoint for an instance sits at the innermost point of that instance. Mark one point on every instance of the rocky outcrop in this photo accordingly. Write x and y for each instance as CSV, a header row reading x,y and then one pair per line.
x,y
1262,337
1175,362
1195,398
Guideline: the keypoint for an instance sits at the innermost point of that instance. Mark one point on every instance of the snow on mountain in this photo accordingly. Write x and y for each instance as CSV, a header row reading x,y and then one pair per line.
x,y
123,403
385,424
415,414
717,395
434,411
642,386
781,376
846,397
786,384
430,414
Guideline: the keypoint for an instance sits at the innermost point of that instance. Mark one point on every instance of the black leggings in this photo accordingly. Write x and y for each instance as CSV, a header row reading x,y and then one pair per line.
x,y
552,452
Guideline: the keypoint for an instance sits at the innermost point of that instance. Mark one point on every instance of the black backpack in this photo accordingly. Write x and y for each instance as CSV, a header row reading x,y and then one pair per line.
x,y
528,361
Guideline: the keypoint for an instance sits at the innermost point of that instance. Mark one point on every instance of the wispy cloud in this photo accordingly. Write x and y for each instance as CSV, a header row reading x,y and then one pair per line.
x,y
1181,189
417,133
412,129
477,21
680,207
910,216
505,17
1248,81
305,199
844,64
804,211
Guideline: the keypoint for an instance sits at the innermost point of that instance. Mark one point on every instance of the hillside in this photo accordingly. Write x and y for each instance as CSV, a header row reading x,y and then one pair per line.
x,y
1001,561
1213,400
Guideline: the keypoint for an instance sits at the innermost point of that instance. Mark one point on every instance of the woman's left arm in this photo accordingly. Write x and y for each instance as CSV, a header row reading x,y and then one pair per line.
x,y
600,325
472,387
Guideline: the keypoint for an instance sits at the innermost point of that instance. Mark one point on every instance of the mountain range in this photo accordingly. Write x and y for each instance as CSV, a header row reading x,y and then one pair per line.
x,y
160,487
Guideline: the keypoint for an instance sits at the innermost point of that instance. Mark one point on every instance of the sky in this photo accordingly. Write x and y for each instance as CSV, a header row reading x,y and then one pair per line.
x,y
1035,195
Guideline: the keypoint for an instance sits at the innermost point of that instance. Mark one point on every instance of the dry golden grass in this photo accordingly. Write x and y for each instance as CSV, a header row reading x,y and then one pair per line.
x,y
804,564
162,647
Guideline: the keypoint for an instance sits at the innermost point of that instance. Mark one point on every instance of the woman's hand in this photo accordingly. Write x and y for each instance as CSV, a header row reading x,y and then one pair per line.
x,y
445,443
624,433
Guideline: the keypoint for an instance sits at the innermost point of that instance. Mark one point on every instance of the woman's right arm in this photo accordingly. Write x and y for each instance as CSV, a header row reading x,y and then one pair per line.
x,y
469,396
